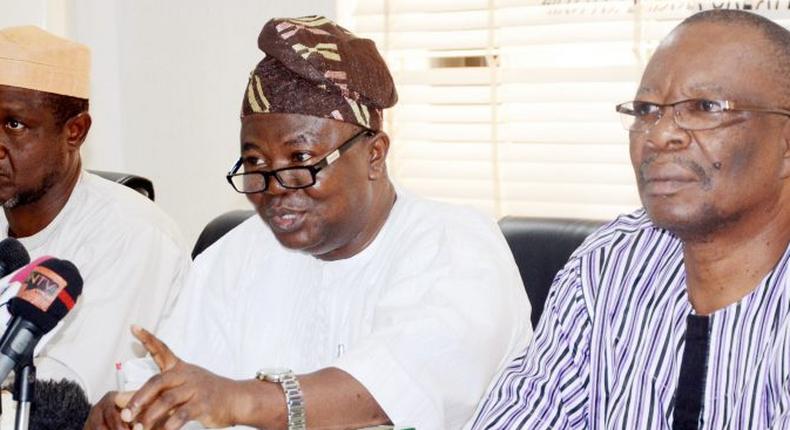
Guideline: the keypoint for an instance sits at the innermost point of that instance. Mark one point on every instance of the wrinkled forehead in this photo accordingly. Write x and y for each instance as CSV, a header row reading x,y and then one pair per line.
x,y
712,60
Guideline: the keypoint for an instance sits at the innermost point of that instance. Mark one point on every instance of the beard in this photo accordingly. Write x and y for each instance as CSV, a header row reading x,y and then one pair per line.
x,y
700,226
26,197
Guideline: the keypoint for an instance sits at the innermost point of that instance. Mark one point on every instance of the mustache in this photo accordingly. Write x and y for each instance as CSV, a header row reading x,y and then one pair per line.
x,y
278,205
702,174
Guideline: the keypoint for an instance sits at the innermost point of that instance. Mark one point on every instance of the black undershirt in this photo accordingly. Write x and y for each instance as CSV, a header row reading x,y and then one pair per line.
x,y
690,392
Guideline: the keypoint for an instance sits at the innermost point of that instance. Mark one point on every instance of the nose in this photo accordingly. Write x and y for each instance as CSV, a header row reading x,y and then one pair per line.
x,y
274,187
666,135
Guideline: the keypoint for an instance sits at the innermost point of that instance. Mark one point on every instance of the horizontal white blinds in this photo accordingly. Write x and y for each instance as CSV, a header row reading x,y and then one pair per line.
x,y
508,105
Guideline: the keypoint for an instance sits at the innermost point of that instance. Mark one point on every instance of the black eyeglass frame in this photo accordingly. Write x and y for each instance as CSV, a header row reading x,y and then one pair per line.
x,y
312,168
725,105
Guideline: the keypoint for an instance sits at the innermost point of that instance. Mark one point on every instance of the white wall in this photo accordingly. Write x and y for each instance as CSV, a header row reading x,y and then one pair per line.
x,y
168,79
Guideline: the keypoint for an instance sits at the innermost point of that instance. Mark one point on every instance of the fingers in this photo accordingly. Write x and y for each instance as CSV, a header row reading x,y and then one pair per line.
x,y
104,415
122,399
112,419
148,393
96,421
164,405
163,357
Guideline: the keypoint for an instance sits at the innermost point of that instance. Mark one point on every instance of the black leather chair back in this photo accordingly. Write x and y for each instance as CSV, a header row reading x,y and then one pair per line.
x,y
138,183
541,246
218,227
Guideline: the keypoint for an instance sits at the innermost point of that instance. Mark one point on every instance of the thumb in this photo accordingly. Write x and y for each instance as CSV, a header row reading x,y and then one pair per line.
x,y
161,354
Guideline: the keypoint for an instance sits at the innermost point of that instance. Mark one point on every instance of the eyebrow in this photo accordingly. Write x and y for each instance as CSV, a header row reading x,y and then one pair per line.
x,y
18,107
303,138
247,146
300,139
642,90
695,87
707,87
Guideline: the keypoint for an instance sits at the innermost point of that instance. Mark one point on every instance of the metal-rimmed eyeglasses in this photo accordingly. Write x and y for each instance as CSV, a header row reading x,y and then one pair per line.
x,y
690,114
294,177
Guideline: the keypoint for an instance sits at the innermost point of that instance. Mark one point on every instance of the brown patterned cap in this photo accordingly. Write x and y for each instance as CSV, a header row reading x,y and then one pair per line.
x,y
315,67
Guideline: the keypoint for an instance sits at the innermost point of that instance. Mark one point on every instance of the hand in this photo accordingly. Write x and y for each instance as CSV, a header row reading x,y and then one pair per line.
x,y
182,392
105,415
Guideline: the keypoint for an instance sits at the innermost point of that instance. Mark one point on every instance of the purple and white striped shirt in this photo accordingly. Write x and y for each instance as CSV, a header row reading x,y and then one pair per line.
x,y
608,348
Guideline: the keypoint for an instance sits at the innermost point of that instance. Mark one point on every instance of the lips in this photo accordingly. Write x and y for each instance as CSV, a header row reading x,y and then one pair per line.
x,y
666,179
665,188
283,220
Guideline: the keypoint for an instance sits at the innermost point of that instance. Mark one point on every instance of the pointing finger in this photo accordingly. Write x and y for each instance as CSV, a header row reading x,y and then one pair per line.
x,y
161,354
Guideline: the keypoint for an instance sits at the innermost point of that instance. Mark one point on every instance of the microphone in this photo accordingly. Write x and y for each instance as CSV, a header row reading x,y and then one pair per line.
x,y
12,256
47,294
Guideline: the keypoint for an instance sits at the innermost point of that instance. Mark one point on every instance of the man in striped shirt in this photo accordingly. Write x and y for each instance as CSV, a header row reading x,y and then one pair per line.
x,y
678,315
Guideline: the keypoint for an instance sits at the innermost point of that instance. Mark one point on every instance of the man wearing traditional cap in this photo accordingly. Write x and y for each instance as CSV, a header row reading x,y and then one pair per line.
x,y
127,250
355,302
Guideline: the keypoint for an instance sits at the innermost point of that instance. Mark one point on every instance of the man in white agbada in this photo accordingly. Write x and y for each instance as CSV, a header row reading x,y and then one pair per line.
x,y
128,252
354,302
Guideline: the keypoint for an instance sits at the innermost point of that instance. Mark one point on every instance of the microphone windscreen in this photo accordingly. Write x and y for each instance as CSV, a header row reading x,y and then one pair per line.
x,y
47,294
23,273
13,255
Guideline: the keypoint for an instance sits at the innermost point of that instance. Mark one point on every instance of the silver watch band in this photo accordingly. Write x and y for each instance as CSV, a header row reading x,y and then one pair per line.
x,y
294,401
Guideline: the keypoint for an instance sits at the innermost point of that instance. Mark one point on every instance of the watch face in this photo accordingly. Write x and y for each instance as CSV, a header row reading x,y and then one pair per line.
x,y
273,374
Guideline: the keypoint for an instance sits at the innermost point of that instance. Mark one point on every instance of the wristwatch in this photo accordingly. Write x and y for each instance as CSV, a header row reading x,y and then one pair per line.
x,y
294,400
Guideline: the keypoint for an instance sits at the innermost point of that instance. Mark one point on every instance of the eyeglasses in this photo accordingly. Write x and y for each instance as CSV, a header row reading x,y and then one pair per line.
x,y
692,114
292,178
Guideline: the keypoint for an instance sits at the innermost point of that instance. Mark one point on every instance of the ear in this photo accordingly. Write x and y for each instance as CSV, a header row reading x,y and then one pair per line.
x,y
76,129
378,149
785,172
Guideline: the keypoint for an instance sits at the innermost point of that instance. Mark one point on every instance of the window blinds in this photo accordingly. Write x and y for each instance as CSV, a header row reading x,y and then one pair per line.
x,y
508,105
